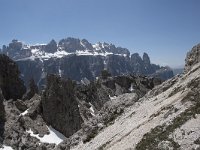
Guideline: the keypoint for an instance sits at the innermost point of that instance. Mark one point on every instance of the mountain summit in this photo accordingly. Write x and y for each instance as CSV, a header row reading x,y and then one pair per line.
x,y
78,59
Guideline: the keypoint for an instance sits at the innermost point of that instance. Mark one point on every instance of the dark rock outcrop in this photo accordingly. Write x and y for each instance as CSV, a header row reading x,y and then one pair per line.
x,y
193,57
20,105
99,112
2,117
59,106
66,105
10,83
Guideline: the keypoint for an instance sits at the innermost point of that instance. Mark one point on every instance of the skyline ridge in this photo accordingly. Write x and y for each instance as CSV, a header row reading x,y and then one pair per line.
x,y
166,30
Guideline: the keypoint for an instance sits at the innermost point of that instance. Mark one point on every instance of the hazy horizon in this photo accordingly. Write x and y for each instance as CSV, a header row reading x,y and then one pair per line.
x,y
165,30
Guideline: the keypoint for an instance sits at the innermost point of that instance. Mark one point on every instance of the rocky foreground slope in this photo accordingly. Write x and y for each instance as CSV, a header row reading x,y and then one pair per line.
x,y
167,117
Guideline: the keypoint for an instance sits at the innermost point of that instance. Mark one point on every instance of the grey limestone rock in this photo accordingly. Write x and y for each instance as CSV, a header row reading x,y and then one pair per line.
x,y
192,58
59,106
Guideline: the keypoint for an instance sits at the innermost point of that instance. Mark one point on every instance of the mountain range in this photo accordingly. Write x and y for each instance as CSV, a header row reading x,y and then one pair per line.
x,y
78,59
112,112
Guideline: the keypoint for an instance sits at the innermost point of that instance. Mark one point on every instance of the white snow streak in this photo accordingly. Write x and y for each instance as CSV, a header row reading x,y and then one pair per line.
x,y
131,88
6,148
92,110
114,97
24,113
53,137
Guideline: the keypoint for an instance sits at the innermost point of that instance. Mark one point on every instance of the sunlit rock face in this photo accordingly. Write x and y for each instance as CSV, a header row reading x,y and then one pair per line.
x,y
193,57
77,59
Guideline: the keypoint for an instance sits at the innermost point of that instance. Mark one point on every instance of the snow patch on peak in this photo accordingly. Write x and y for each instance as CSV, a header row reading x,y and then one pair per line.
x,y
97,46
53,137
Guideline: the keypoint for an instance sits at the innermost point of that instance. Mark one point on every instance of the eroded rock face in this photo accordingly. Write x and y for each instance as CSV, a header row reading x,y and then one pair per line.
x,y
60,108
10,83
193,57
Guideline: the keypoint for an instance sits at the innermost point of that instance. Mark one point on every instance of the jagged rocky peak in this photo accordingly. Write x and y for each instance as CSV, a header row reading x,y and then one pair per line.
x,y
51,47
11,85
111,48
146,59
65,116
15,45
193,57
86,44
68,46
135,58
71,45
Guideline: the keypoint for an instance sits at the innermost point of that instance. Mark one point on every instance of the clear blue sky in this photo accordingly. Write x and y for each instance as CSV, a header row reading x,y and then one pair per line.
x,y
165,29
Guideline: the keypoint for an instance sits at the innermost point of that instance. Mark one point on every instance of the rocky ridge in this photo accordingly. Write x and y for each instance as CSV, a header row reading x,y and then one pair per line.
x,y
122,112
77,59
167,117
81,111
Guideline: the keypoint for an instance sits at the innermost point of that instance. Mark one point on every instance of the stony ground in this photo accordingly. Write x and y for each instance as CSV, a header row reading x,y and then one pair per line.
x,y
166,118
